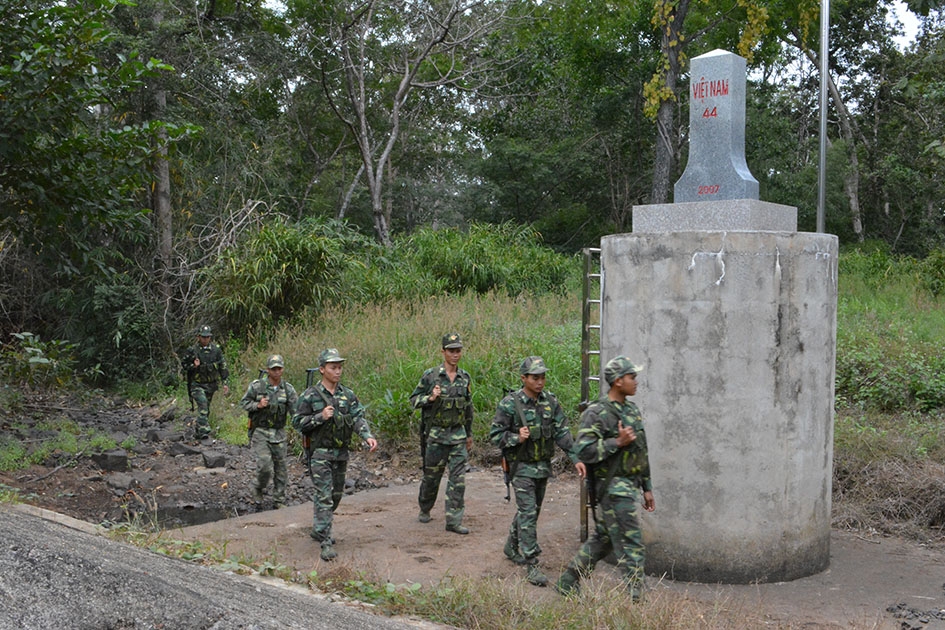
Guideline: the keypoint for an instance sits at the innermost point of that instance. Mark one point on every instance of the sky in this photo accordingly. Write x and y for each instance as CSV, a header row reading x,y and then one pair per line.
x,y
910,24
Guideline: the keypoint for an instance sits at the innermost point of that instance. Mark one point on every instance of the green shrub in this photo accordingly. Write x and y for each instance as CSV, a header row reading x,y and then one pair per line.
x,y
278,272
28,360
508,258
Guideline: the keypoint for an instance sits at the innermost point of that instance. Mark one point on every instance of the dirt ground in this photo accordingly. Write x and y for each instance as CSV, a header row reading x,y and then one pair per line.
x,y
872,582
377,532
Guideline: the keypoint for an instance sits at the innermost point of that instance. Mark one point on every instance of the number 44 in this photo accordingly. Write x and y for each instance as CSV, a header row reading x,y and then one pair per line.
x,y
710,113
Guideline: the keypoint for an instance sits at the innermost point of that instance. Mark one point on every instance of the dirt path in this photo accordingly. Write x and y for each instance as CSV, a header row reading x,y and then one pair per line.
x,y
377,533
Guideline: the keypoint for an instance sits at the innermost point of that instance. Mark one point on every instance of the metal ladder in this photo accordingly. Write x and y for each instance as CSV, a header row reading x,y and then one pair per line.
x,y
592,285
591,308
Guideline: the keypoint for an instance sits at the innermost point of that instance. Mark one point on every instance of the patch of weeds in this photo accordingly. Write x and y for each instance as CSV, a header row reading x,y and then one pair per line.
x,y
12,455
9,495
100,442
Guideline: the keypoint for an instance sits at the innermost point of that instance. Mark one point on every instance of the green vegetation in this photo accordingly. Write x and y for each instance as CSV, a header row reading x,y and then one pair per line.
x,y
889,433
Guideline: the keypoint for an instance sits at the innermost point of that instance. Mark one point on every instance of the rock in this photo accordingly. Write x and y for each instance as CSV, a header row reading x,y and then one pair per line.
x,y
214,459
157,435
179,448
112,460
121,482
143,449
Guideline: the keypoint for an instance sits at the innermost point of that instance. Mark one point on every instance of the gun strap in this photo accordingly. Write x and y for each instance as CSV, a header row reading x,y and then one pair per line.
x,y
520,413
612,469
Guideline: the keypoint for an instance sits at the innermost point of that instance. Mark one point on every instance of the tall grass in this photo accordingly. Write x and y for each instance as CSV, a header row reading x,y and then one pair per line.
x,y
890,334
388,346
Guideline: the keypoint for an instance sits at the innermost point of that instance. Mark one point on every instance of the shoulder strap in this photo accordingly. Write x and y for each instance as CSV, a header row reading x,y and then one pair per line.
x,y
519,410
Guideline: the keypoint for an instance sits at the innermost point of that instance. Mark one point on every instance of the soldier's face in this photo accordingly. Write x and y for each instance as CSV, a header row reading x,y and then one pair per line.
x,y
331,372
533,384
451,356
275,375
627,384
204,340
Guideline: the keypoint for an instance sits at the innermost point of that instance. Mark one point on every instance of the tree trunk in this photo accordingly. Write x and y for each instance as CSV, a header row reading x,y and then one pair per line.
x,y
664,161
161,192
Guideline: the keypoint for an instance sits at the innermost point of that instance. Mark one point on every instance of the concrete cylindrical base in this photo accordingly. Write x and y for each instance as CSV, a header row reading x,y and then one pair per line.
x,y
737,331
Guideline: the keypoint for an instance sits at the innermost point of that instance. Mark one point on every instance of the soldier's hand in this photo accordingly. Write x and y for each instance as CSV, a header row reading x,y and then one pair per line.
x,y
328,412
263,402
226,390
625,435
372,444
581,469
196,362
649,503
523,434
435,393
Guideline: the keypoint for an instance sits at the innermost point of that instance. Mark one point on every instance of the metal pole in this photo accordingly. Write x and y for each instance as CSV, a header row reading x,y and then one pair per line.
x,y
822,165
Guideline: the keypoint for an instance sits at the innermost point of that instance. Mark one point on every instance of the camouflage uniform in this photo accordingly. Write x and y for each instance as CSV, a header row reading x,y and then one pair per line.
x,y
205,379
620,477
330,441
267,434
447,422
529,462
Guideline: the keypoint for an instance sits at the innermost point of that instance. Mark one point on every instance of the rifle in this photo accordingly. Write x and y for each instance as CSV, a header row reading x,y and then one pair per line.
x,y
588,498
506,476
249,425
424,431
190,381
307,439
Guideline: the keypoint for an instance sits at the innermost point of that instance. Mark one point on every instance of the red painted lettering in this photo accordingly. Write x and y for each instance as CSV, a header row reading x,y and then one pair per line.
x,y
708,190
713,113
709,88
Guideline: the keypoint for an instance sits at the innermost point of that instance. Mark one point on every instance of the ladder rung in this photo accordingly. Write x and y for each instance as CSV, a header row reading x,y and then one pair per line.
x,y
593,378
595,352
594,275
593,301
594,327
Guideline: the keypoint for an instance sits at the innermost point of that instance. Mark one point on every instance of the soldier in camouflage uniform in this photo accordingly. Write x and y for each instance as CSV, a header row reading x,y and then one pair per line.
x,y
527,425
611,441
444,398
205,368
270,401
329,414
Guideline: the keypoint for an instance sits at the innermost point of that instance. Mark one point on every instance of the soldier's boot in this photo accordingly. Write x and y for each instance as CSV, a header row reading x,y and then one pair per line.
x,y
569,583
328,552
636,588
257,499
424,517
535,576
512,553
457,529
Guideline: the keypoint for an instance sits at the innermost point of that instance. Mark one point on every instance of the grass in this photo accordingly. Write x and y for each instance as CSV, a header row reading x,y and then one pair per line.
x,y
889,451
388,347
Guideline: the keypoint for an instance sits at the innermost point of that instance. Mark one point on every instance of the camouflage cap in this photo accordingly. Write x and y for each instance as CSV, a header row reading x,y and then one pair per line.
x,y
204,331
533,365
275,360
329,356
619,366
452,340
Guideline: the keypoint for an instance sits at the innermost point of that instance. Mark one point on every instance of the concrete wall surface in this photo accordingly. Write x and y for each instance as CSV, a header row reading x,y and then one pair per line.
x,y
737,333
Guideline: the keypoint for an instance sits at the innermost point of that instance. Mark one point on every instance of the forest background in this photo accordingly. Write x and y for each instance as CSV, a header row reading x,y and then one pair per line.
x,y
369,174
167,164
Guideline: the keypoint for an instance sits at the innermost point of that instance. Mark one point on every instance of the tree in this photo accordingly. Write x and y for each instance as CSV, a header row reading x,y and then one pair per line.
x,y
374,55
60,120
